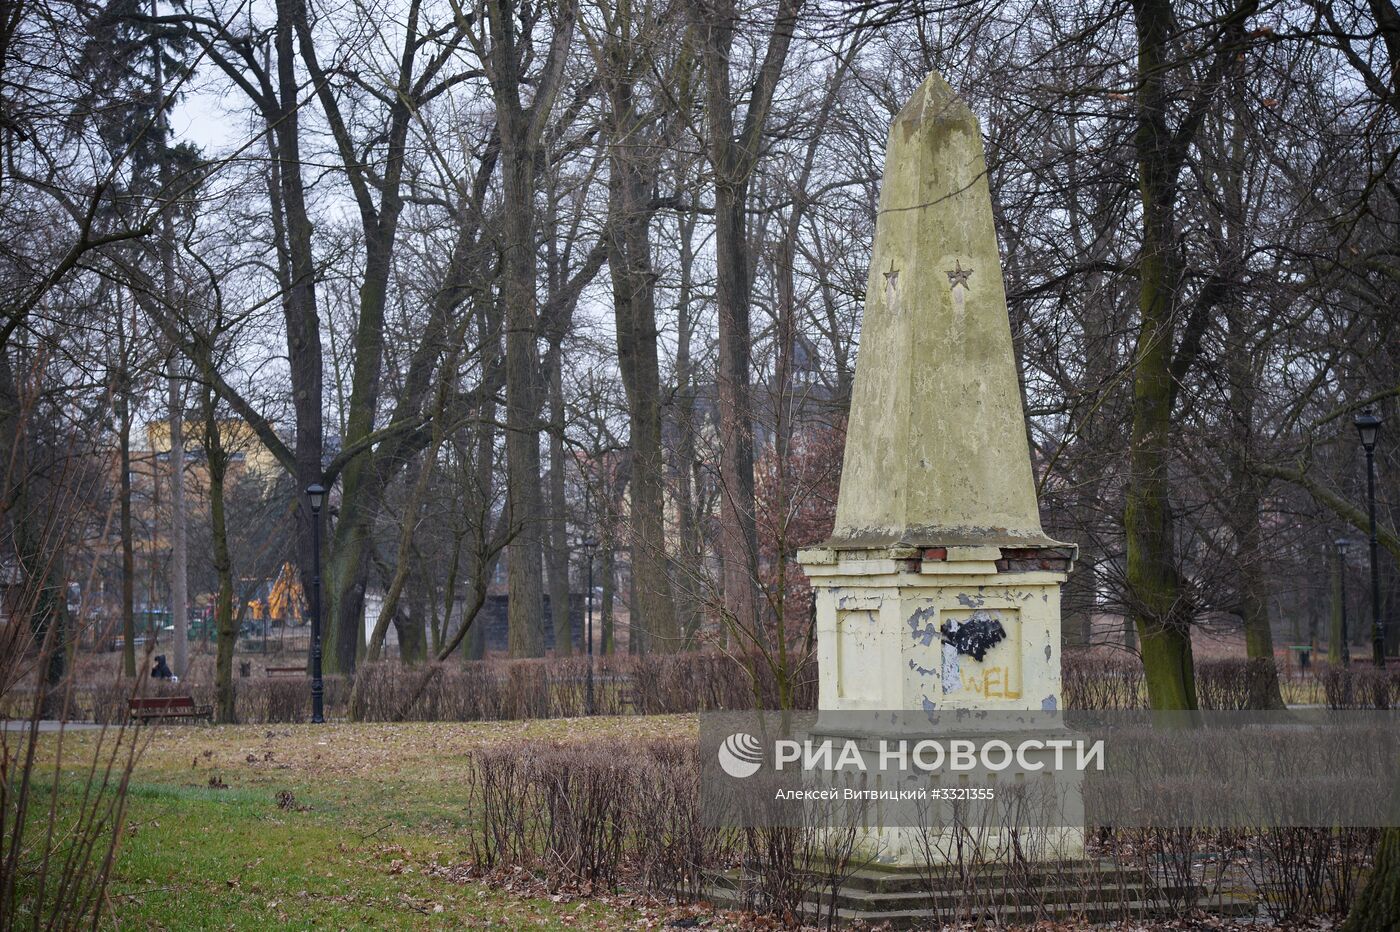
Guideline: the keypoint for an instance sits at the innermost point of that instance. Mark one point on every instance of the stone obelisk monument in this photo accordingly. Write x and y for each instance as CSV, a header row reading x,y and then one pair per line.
x,y
938,590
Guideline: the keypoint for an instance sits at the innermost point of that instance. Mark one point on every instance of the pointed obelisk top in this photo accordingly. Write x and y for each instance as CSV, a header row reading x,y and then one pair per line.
x,y
936,450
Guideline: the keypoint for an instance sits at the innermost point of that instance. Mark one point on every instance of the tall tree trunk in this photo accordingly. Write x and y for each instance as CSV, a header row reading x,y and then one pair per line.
x,y
1243,515
225,699
1157,602
732,159
526,584
1337,648
689,564
365,475
1248,347
297,276
634,308
411,627
179,547
558,514
123,404
481,481
738,535
521,130
179,552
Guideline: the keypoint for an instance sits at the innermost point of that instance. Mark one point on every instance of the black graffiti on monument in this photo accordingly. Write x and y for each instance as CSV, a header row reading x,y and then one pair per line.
x,y
973,637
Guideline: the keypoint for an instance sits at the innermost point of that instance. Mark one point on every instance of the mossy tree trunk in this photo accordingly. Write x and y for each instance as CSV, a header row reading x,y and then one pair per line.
x,y
1158,600
411,626
1377,909
217,460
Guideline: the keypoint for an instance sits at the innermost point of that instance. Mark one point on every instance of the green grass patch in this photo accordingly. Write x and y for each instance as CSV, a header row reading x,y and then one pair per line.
x,y
345,826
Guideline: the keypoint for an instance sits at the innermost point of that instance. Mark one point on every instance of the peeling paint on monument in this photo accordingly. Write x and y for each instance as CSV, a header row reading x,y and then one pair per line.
x,y
952,670
923,625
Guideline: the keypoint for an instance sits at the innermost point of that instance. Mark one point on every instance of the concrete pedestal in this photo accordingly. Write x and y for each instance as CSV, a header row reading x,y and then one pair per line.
x,y
970,627
939,630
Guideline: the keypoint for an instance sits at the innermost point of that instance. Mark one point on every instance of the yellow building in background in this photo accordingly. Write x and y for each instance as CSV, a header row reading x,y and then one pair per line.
x,y
239,439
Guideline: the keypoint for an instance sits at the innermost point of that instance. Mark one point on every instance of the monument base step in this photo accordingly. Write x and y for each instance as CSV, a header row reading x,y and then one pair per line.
x,y
912,897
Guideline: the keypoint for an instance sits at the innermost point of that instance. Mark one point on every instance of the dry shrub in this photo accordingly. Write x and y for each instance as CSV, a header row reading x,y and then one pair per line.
x,y
1304,872
584,813
485,690
707,681
675,849
61,820
497,689
587,795
499,787
108,699
1092,682
279,700
1234,683
1361,687
605,812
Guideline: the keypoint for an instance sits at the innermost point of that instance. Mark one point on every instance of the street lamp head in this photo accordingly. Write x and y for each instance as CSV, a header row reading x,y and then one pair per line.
x,y
1368,425
1342,545
317,493
590,543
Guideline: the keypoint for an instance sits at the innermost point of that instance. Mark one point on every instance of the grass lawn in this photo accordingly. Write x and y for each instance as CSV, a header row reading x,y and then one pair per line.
x,y
373,821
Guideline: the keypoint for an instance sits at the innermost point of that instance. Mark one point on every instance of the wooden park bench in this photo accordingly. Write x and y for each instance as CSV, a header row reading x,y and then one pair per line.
x,y
162,707
286,671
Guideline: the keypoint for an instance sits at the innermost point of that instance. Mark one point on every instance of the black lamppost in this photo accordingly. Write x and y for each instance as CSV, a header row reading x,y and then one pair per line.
x,y
317,495
1342,545
1369,427
589,545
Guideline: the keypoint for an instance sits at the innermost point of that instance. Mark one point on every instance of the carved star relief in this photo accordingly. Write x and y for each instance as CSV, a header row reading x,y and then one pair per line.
x,y
892,276
958,275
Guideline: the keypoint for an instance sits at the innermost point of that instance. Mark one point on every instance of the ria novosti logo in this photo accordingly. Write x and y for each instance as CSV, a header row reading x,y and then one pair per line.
x,y
740,755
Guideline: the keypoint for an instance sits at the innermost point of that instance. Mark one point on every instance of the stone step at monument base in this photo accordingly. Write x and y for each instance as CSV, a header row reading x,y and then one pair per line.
x,y
914,898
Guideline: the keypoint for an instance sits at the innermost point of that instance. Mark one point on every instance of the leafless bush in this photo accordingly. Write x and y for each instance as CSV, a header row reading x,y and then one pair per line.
x,y
499,789
674,849
586,795
1305,872
702,681
558,688
60,824
1361,687
1092,682
966,867
774,877
582,813
608,812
